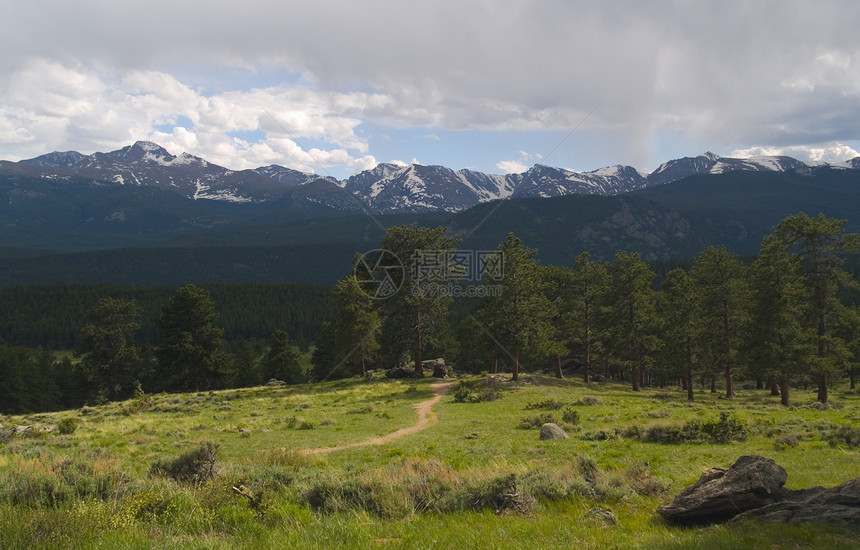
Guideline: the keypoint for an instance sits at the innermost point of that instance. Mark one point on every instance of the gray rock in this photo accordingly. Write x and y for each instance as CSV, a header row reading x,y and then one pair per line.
x,y
403,372
552,431
274,382
439,368
840,505
751,482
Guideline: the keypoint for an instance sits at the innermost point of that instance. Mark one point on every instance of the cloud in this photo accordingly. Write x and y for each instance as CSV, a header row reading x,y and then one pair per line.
x,y
730,73
512,167
833,152
47,105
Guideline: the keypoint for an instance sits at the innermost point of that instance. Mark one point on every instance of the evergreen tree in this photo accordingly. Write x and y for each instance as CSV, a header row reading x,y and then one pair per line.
x,y
777,343
520,318
191,354
679,308
247,370
819,242
720,278
350,339
281,360
416,315
630,316
109,356
582,307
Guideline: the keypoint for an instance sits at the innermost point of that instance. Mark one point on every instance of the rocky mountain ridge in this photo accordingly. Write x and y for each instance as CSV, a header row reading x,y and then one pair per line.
x,y
385,188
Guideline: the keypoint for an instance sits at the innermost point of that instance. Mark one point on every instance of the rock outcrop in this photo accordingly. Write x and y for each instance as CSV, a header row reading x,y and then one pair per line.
x,y
753,487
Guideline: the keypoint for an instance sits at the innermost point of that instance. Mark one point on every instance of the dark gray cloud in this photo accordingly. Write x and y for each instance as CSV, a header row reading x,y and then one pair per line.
x,y
736,74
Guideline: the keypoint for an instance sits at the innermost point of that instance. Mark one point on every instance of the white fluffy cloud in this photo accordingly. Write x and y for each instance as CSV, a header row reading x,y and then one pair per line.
x,y
833,152
511,167
47,105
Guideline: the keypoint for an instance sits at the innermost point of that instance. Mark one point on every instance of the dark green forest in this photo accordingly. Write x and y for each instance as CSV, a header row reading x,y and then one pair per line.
x,y
51,315
787,317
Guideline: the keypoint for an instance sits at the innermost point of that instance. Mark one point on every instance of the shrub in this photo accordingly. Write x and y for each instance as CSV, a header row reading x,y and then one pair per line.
x,y
788,440
67,426
372,496
725,430
548,405
195,466
844,435
500,494
588,400
570,416
673,433
466,392
530,422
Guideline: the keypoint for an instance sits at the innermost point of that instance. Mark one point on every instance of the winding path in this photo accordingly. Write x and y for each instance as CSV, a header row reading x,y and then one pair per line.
x,y
426,418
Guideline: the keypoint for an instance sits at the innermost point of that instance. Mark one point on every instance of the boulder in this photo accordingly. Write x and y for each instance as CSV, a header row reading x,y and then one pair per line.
x,y
840,505
403,372
552,431
751,482
439,368
274,382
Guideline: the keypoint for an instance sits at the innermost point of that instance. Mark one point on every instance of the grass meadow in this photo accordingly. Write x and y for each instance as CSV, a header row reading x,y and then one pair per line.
x,y
159,471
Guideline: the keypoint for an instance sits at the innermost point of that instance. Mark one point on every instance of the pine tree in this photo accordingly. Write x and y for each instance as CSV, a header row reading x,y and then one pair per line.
x,y
519,318
588,287
191,354
416,315
281,360
719,276
777,343
109,356
679,308
630,318
349,340
819,242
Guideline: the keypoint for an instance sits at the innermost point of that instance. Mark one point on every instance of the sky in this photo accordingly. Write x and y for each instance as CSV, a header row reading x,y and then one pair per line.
x,y
336,86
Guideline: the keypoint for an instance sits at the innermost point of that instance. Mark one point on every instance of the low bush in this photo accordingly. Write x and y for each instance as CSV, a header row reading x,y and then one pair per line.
x,y
844,435
530,422
501,494
67,426
547,405
195,466
570,416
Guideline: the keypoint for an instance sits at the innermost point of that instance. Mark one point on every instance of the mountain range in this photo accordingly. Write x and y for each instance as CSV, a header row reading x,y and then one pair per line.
x,y
386,188
141,215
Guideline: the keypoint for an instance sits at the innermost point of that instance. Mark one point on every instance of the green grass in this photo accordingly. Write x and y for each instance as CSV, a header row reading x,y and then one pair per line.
x,y
436,488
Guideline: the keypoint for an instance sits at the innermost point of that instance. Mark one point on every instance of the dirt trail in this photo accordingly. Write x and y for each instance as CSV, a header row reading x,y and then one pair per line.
x,y
426,418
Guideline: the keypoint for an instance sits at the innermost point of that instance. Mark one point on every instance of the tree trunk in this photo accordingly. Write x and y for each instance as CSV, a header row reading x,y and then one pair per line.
x,y
822,387
587,357
558,373
363,369
419,364
635,377
759,383
713,384
852,375
516,375
495,368
689,378
783,390
774,388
